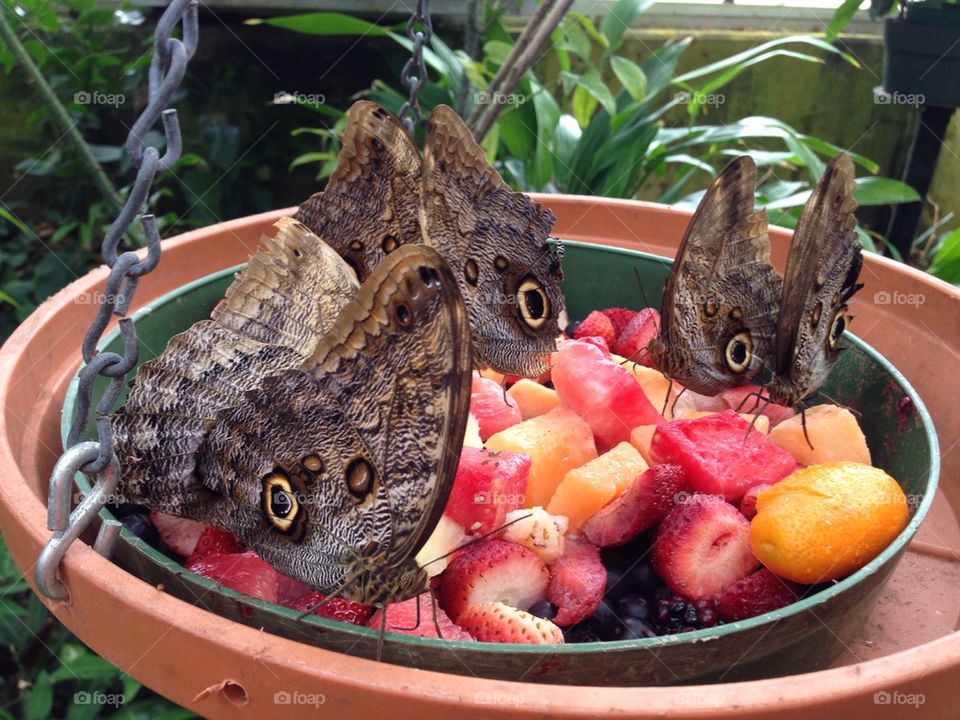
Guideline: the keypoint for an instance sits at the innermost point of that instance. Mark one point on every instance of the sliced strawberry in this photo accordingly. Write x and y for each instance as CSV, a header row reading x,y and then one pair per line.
x,y
601,392
596,324
243,572
619,318
499,622
597,342
288,589
632,343
703,547
488,485
719,455
214,540
756,594
180,534
748,505
342,609
577,582
641,506
492,407
416,617
489,571
745,399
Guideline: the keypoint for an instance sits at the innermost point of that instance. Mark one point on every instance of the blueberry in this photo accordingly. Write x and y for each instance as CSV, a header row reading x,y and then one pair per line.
x,y
583,632
604,617
140,525
634,629
663,593
634,606
572,328
615,584
544,609
644,578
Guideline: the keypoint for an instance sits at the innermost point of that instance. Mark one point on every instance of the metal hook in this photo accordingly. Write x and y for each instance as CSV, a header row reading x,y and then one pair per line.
x,y
67,525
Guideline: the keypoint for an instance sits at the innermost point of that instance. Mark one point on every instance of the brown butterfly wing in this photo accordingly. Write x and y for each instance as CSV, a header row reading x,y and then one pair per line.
x,y
352,456
496,242
371,203
271,318
821,276
720,290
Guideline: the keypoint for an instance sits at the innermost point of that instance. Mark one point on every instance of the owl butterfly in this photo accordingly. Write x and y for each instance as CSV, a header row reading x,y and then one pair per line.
x,y
332,458
494,239
719,312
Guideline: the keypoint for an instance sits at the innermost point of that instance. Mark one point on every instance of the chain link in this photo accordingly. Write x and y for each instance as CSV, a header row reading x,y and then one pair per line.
x,y
414,73
167,68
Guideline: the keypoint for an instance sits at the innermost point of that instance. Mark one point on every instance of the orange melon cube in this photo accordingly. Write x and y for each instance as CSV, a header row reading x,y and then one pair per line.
x,y
532,398
762,422
641,438
833,431
588,488
556,443
656,385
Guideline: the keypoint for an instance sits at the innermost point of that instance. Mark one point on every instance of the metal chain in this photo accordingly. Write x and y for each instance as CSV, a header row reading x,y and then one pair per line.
x,y
167,68
410,110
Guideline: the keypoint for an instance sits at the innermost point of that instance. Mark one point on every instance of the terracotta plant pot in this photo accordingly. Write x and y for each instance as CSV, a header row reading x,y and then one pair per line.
x,y
217,667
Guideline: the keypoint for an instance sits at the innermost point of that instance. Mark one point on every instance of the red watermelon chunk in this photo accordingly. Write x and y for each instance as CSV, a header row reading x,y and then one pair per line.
x,y
243,572
719,456
492,407
601,392
405,617
487,487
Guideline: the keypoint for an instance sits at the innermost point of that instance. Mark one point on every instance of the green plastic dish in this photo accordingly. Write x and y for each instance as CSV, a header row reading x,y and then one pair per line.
x,y
804,636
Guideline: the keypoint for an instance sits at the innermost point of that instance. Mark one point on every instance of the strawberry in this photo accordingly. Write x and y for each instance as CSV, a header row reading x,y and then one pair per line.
x,y
641,506
632,342
289,589
756,594
492,407
577,582
619,318
342,609
214,540
416,617
597,342
489,571
499,622
703,547
748,504
243,572
596,324
180,534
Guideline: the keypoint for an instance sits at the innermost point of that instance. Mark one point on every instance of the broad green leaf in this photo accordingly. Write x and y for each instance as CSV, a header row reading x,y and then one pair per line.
x,y
548,115
583,105
841,18
310,157
630,76
591,29
660,66
38,701
497,51
883,191
571,36
14,220
594,84
621,16
946,260
322,23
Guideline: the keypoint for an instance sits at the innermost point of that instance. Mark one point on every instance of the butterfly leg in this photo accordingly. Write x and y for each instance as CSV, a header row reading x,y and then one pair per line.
x,y
803,424
433,609
383,631
766,401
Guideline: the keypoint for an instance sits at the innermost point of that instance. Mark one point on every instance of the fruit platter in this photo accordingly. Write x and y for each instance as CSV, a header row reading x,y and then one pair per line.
x,y
695,541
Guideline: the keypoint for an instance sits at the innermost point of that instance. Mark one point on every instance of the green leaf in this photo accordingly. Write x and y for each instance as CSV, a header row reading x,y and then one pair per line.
x,y
322,23
310,157
594,84
38,701
572,37
583,105
946,260
548,115
630,76
841,18
883,191
13,219
591,29
497,51
620,18
661,65
78,663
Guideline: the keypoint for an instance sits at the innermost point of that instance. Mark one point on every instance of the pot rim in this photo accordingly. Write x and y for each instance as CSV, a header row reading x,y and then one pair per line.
x,y
809,603
20,508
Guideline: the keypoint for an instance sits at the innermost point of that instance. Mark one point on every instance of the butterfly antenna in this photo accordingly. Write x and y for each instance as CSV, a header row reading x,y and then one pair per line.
x,y
803,424
856,412
383,631
643,295
666,399
476,540
754,420
758,397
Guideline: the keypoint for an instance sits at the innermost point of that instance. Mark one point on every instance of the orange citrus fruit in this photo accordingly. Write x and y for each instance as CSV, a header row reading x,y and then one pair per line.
x,y
823,522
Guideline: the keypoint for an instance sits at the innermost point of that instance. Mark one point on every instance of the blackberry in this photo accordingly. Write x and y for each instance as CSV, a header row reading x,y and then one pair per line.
x,y
675,614
139,524
543,609
634,629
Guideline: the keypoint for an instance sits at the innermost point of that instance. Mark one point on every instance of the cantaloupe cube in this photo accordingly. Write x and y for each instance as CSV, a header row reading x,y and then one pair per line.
x,y
640,438
588,488
833,431
532,398
656,385
556,442
761,424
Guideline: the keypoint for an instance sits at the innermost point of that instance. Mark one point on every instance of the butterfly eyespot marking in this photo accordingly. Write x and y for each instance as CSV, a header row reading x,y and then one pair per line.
x,y
429,276
710,307
389,244
471,272
376,144
403,314
280,505
359,476
297,253
356,246
500,263
736,313
533,303
837,327
739,351
312,463
380,114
